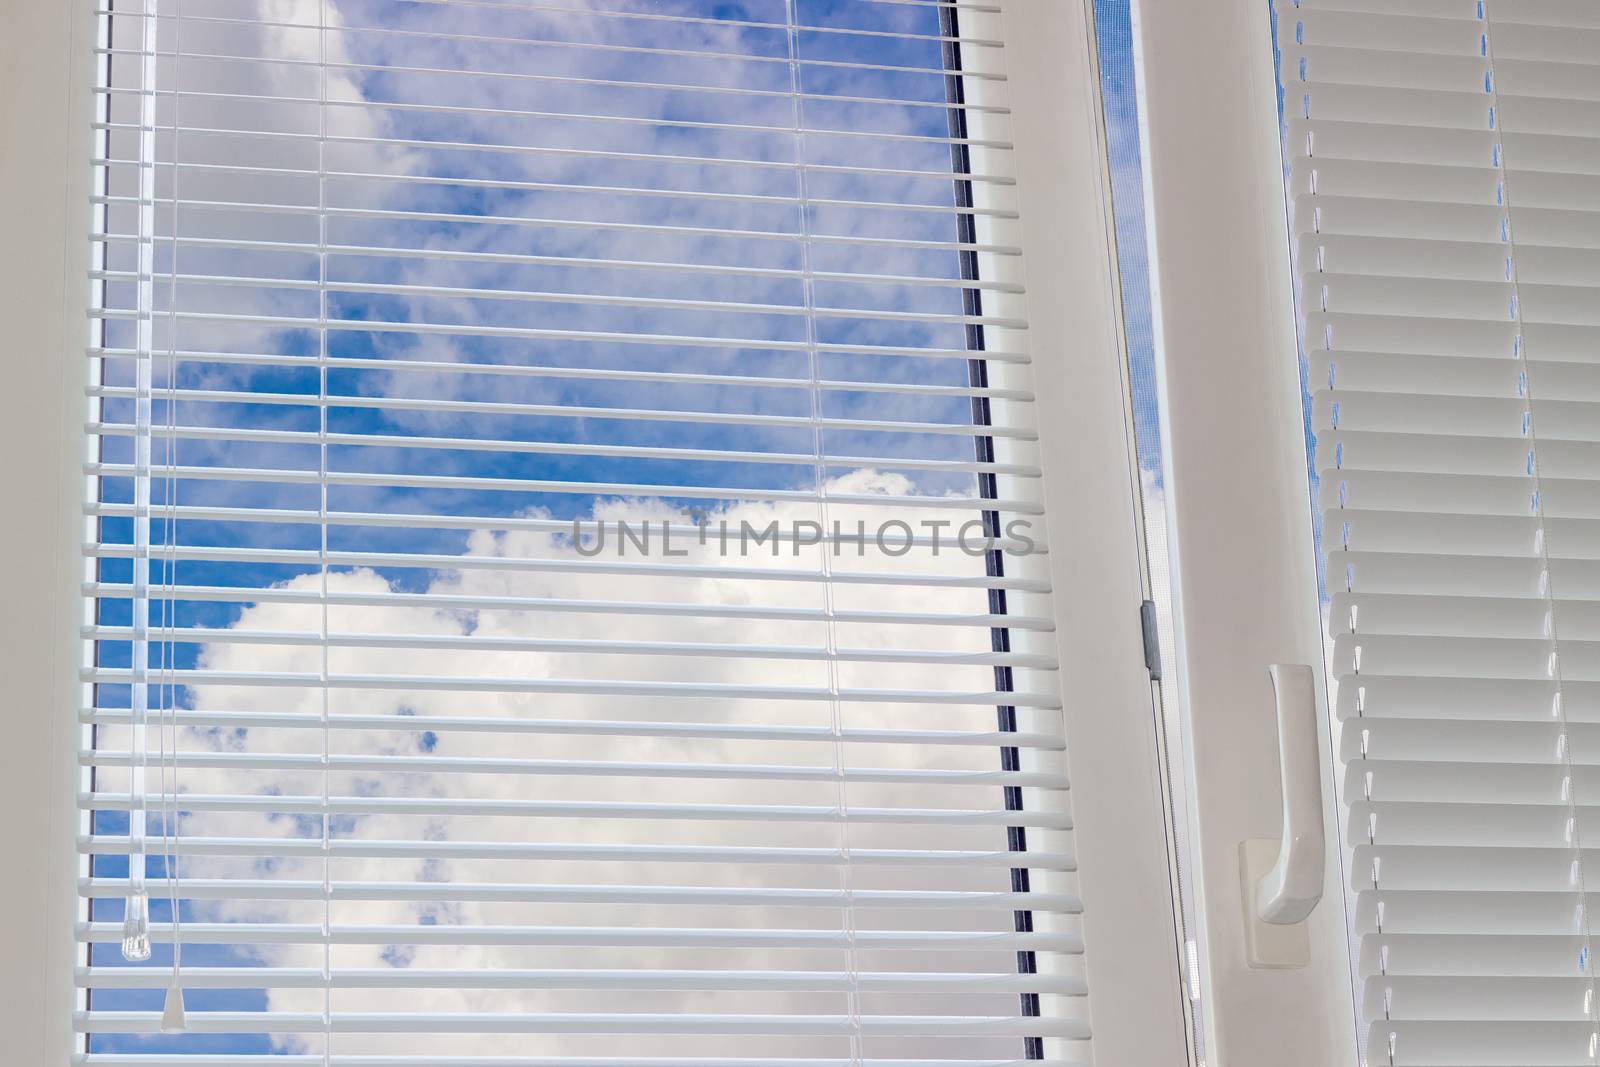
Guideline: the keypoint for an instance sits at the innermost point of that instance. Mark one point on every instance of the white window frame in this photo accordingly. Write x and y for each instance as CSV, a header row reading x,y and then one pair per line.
x,y
1091,470
46,68
1244,572
46,61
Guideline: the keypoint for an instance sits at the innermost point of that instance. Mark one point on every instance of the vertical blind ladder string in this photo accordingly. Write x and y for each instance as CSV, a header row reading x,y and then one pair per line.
x,y
814,396
1586,961
322,524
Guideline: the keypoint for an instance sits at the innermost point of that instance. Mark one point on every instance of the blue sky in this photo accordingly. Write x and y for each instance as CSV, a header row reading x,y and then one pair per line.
x,y
1115,37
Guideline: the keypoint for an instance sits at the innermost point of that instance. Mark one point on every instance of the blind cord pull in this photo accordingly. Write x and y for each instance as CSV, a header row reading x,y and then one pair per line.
x,y
136,906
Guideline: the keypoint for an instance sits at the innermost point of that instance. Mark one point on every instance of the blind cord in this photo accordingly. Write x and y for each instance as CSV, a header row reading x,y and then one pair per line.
x,y
136,908
173,1016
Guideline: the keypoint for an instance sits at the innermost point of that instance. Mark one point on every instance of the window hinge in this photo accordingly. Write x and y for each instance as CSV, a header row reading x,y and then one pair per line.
x,y
1152,639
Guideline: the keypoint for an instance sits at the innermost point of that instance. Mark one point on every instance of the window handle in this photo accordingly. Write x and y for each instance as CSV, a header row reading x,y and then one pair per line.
x,y
1287,893
1284,894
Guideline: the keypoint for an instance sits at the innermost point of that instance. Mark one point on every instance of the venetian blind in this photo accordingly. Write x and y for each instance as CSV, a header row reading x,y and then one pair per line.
x,y
1445,185
568,583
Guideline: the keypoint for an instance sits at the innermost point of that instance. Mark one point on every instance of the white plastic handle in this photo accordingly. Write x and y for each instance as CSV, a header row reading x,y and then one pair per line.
x,y
1287,893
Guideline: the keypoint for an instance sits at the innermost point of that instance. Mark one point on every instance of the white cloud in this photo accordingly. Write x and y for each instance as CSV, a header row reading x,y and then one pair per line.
x,y
711,670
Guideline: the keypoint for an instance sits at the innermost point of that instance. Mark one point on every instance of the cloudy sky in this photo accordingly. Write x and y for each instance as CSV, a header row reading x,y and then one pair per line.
x,y
449,277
